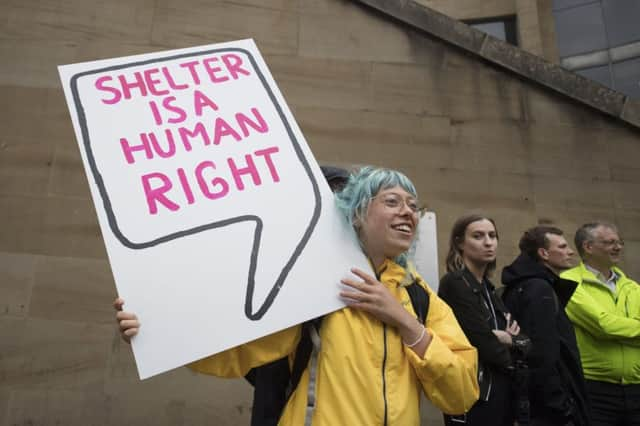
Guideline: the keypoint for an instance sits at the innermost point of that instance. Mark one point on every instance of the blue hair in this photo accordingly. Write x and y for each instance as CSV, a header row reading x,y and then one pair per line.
x,y
364,184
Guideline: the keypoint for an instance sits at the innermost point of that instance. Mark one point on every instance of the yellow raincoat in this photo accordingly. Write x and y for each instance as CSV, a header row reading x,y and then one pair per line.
x,y
365,374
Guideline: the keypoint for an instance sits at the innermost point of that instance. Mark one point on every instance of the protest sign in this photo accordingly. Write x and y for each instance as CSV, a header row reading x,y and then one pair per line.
x,y
218,223
425,253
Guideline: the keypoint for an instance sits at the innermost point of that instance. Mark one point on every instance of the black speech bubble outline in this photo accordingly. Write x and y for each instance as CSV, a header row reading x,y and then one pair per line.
x,y
113,223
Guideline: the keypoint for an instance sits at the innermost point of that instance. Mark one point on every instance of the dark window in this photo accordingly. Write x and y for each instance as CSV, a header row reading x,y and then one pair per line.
x,y
622,18
603,38
503,28
626,77
580,30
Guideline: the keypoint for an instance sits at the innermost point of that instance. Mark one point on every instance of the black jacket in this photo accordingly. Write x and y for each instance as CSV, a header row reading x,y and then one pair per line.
x,y
467,298
537,297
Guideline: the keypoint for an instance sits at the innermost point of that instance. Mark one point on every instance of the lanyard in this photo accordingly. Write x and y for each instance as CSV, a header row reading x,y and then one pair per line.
x,y
490,305
486,300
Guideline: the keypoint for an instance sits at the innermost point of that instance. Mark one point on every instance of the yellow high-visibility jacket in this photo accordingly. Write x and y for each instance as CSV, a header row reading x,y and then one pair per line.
x,y
365,374
607,326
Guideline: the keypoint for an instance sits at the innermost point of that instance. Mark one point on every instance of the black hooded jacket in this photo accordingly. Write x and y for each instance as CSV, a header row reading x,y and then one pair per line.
x,y
537,297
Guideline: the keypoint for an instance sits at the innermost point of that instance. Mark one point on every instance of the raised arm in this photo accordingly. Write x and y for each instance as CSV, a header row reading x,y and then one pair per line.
x,y
370,295
235,362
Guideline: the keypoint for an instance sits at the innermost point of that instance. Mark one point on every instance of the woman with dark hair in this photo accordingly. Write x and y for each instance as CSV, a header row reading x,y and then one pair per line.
x,y
371,360
488,326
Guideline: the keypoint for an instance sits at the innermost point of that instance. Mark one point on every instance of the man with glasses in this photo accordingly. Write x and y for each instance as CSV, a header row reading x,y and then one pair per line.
x,y
605,311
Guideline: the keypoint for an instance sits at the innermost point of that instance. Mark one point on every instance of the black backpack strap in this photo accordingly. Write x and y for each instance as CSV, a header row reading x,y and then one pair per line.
x,y
306,355
270,381
301,359
275,382
419,300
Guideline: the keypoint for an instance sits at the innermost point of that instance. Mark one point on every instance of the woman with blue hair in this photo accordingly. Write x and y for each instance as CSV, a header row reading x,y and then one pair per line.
x,y
371,359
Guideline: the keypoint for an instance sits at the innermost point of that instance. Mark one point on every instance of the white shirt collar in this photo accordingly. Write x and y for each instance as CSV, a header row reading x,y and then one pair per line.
x,y
609,282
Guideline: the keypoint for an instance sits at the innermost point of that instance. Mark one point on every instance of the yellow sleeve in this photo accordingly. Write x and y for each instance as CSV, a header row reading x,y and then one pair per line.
x,y
448,369
236,362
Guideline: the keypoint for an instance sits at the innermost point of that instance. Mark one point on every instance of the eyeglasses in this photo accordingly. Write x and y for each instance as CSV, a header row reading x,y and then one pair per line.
x,y
611,243
396,202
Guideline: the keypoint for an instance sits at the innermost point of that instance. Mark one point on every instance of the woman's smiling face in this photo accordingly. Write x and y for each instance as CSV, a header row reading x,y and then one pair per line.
x,y
390,224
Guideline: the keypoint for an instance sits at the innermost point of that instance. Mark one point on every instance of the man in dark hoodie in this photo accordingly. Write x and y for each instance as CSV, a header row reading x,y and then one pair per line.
x,y
536,296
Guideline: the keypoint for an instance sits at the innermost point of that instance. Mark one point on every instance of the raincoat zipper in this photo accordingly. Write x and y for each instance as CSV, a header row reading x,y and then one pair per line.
x,y
384,358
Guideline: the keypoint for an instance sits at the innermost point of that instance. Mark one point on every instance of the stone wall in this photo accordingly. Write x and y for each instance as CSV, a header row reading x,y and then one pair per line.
x,y
364,89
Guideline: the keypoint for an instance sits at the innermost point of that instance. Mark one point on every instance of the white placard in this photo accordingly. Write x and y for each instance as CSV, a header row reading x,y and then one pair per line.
x,y
217,220
426,251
